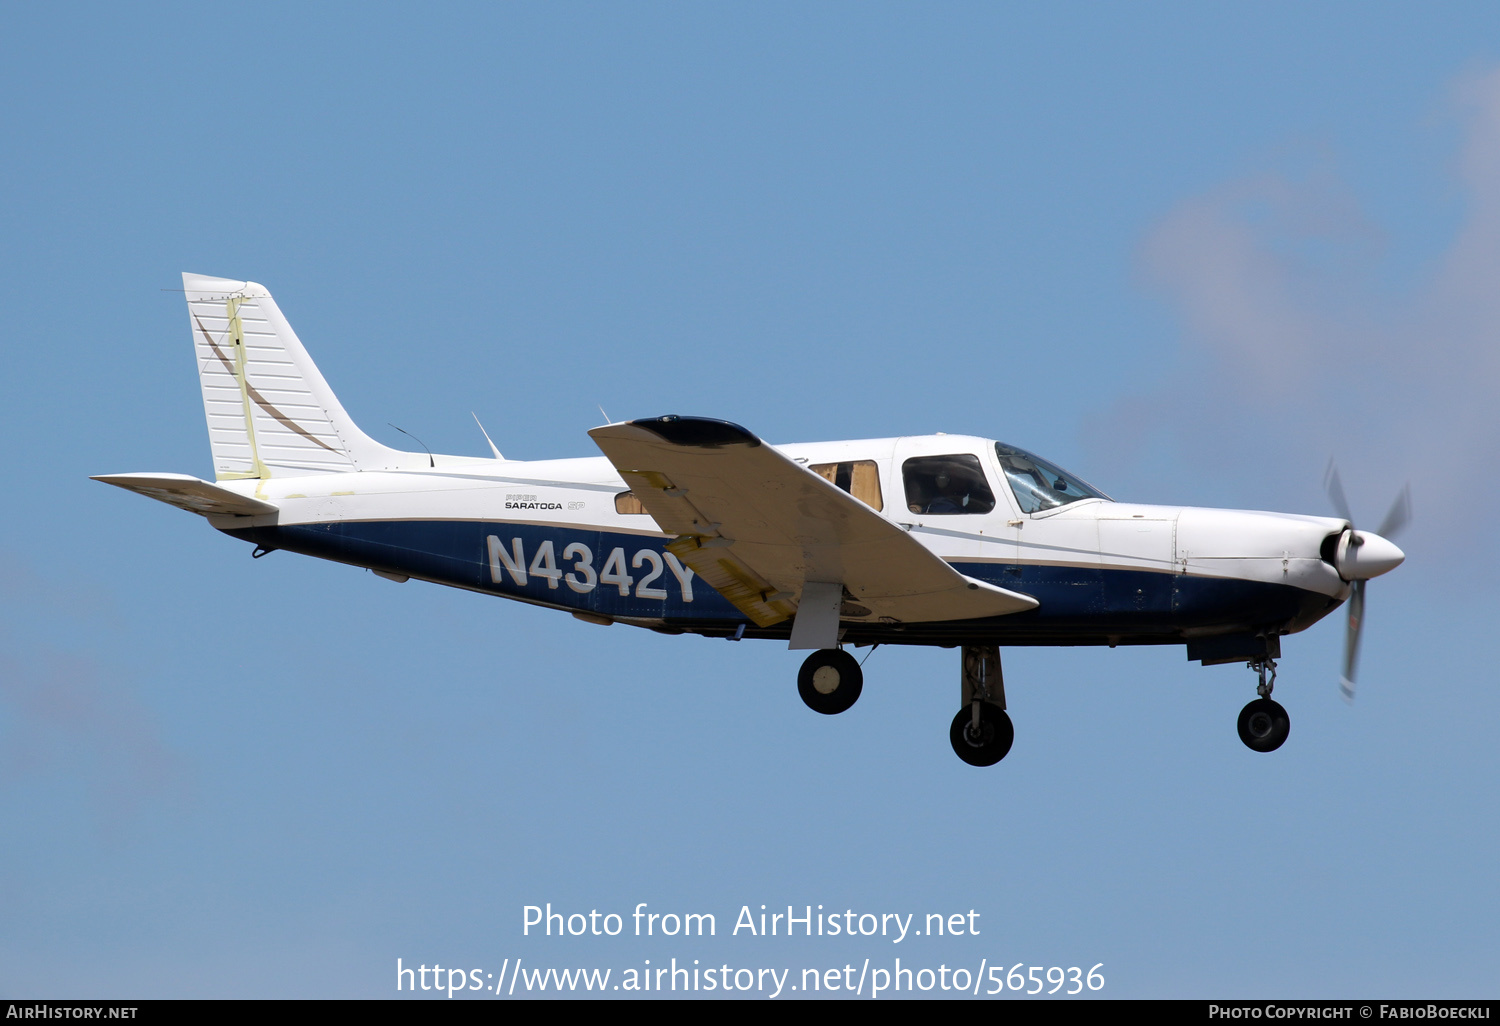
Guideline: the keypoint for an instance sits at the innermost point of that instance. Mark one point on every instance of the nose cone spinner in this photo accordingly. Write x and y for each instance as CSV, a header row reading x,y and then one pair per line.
x,y
1364,554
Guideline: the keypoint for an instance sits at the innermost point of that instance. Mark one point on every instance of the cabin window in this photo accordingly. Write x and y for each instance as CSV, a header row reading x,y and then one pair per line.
x,y
860,479
947,485
626,502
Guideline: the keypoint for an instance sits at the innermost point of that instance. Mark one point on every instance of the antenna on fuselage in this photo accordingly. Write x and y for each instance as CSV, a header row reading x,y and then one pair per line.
x,y
430,461
486,435
605,415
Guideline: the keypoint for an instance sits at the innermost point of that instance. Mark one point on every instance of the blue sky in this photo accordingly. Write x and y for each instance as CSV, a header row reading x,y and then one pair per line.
x,y
1190,252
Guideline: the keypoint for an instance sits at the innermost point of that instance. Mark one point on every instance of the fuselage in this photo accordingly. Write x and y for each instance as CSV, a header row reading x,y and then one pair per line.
x,y
567,534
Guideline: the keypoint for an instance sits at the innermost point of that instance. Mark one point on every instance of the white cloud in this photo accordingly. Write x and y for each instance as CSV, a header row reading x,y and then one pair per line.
x,y
1298,346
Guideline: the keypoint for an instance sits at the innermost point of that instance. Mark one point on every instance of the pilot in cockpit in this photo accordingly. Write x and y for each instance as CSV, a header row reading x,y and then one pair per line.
x,y
950,495
947,484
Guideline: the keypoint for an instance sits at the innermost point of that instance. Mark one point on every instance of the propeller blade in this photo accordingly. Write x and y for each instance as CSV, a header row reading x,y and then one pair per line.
x,y
1336,492
1399,515
1380,555
1351,639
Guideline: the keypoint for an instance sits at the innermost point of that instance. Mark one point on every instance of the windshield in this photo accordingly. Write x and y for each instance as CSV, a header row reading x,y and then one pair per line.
x,y
1038,484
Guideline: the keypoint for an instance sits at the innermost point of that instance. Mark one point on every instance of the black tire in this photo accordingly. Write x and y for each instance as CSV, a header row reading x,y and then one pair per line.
x,y
1264,725
830,681
996,734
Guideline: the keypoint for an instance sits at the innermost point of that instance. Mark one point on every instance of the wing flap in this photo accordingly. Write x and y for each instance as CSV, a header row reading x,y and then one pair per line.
x,y
750,593
190,493
758,526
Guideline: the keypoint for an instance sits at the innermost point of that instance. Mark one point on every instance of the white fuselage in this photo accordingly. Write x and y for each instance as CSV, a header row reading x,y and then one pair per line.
x,y
1103,571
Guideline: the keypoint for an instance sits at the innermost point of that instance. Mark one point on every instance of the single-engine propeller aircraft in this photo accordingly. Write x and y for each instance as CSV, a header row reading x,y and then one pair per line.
x,y
694,525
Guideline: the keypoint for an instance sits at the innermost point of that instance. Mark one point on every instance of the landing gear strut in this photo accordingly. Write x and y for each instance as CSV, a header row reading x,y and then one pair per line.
x,y
982,732
830,681
1264,724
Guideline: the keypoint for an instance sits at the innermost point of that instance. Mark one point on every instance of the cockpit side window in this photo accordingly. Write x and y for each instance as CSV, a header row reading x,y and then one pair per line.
x,y
1040,485
947,485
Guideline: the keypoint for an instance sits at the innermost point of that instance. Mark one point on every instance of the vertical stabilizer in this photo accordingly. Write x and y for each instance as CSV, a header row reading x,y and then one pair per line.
x,y
270,413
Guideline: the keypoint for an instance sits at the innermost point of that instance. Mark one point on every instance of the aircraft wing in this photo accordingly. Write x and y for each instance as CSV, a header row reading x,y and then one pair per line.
x,y
187,492
771,536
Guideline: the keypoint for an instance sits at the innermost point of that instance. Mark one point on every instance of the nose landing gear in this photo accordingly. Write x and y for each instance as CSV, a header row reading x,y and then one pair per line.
x,y
1264,724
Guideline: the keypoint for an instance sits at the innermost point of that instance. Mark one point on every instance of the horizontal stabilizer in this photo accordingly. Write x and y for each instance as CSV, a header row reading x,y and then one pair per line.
x,y
189,493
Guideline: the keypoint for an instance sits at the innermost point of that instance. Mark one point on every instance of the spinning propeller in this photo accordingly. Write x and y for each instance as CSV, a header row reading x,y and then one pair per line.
x,y
1361,555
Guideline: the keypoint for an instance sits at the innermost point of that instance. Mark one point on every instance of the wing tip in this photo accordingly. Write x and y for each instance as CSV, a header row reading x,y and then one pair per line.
x,y
697,432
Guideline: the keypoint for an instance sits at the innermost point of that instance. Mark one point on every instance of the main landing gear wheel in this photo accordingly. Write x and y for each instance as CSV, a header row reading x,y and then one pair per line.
x,y
830,681
988,744
1264,725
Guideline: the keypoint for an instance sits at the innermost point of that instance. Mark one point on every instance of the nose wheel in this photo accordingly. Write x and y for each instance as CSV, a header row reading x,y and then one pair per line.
x,y
1264,724
830,681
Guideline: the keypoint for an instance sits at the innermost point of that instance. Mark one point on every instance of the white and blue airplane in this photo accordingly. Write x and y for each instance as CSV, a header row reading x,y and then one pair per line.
x,y
693,525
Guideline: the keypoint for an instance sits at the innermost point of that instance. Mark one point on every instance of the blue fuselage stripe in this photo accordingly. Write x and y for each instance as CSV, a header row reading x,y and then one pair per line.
x,y
616,574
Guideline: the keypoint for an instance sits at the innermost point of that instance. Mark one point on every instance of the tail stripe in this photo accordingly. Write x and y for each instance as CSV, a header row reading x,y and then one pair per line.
x,y
259,399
